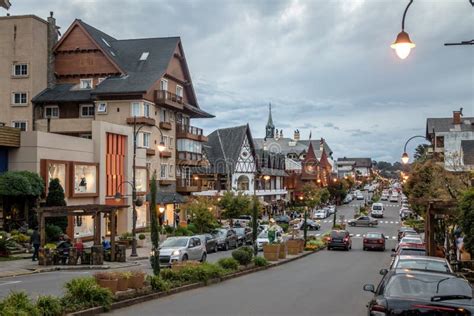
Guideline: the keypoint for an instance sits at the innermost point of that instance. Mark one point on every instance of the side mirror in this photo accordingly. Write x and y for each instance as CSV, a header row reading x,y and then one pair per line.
x,y
393,249
369,288
383,271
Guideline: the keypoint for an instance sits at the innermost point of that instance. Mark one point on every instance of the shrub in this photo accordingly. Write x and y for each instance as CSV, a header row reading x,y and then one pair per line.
x,y
49,306
260,261
284,226
247,249
126,236
53,232
183,231
20,238
192,227
82,293
228,263
242,256
193,274
141,236
168,229
18,303
158,284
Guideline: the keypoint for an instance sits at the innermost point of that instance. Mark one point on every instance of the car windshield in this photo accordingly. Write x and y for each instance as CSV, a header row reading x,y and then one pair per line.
x,y
338,234
240,231
426,285
175,242
414,252
421,264
221,232
373,235
411,240
263,234
377,208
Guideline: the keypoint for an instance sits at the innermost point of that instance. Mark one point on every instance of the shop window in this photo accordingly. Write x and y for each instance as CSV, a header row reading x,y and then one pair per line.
x,y
141,180
85,179
56,170
83,226
141,215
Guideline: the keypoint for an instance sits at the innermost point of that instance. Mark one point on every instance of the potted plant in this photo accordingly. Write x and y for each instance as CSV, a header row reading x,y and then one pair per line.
x,y
283,250
107,280
126,239
123,279
141,240
293,246
137,280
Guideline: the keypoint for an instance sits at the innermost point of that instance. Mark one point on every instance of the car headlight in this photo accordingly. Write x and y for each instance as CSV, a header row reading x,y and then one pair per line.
x,y
176,253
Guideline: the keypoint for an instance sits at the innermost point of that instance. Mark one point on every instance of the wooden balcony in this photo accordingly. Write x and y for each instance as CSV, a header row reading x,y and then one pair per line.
x,y
165,154
165,182
141,120
166,126
169,100
150,152
190,132
9,136
190,159
187,185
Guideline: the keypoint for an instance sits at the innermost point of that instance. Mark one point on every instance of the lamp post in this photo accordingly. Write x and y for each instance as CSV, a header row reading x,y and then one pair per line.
x,y
405,157
118,195
337,203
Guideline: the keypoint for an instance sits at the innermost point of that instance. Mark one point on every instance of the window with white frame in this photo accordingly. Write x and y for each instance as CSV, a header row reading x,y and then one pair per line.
x,y
163,115
19,98
146,109
136,109
51,111
20,70
102,108
163,171
87,110
23,125
86,83
146,140
165,140
171,171
179,91
164,85
171,142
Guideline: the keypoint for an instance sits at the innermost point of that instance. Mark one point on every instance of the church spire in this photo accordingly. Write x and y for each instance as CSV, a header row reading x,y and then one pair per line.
x,y
270,128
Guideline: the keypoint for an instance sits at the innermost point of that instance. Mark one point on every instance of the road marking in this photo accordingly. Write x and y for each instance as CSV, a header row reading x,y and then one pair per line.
x,y
396,222
391,222
352,235
358,235
394,237
9,282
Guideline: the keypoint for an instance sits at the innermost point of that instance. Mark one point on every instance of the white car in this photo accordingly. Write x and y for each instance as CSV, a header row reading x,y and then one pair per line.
x,y
331,209
320,214
377,210
384,197
359,196
262,238
394,198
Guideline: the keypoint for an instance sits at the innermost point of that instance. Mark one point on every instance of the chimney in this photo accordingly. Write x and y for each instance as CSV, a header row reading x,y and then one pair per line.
x,y
321,144
457,117
296,136
53,31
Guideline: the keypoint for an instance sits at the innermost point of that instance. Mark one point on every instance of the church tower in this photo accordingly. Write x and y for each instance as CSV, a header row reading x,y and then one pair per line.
x,y
270,128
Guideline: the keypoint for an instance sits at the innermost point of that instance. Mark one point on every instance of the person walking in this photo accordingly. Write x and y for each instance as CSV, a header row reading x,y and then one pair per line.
x,y
36,242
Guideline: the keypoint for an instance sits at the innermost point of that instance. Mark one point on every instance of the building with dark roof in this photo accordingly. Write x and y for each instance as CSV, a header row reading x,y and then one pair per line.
x,y
447,136
354,167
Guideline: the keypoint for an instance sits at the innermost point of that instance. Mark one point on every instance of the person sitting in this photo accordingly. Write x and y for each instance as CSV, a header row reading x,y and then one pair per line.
x,y
106,244
63,249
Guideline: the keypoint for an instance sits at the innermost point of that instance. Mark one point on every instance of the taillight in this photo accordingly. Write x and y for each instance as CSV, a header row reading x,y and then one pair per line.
x,y
381,241
346,239
366,241
377,310
328,238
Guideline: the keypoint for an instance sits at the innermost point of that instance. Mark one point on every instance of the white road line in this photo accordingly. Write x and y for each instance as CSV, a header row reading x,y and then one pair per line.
x,y
394,237
352,235
396,222
9,282
358,235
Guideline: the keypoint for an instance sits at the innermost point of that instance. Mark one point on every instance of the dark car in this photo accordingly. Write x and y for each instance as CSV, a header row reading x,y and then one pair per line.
x,y
404,229
226,238
339,239
312,225
374,241
244,235
282,219
210,241
413,292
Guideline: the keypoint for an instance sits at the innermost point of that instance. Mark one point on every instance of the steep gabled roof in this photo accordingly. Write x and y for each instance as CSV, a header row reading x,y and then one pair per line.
x,y
445,124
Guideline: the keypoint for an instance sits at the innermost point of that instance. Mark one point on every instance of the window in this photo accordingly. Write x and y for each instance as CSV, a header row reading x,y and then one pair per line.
x,y
86,84
51,111
165,139
146,109
163,171
101,79
171,170
86,136
179,91
105,42
146,140
20,70
144,56
102,108
171,142
163,116
85,178
23,125
189,145
19,98
164,85
87,110
135,108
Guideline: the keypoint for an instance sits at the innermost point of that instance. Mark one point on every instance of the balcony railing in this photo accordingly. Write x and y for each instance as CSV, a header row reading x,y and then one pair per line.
x,y
187,156
188,185
65,125
169,99
190,132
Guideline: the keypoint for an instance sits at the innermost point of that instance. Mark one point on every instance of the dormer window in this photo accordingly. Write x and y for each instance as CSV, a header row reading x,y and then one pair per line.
x,y
86,83
144,56
106,43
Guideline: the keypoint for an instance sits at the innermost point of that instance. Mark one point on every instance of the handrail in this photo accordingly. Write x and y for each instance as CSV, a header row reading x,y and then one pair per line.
x,y
185,128
166,95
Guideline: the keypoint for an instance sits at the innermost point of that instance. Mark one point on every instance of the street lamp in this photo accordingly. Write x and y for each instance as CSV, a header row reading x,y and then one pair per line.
x,y
405,157
118,195
403,44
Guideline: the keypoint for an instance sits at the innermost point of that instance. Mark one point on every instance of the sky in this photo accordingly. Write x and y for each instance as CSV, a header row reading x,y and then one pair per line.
x,y
326,66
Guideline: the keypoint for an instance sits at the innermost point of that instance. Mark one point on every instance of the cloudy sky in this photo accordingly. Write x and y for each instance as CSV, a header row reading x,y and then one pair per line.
x,y
325,65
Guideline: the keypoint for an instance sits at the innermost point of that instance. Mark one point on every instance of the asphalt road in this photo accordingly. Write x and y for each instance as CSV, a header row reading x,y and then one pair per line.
x,y
326,283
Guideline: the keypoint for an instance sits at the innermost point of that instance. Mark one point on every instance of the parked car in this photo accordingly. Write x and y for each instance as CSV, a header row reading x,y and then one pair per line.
x,y
347,199
363,221
210,241
179,249
312,225
404,229
244,235
262,238
359,196
420,263
374,241
420,293
282,219
226,239
320,214
410,240
409,251
377,210
394,197
384,197
331,209
339,239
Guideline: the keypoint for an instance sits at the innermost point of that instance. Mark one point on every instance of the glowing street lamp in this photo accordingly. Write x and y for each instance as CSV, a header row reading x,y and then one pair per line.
x,y
403,44
405,158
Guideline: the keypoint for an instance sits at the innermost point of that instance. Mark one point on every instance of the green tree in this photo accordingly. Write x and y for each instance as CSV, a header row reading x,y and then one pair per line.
x,y
311,195
155,229
202,217
234,205
421,152
55,197
466,209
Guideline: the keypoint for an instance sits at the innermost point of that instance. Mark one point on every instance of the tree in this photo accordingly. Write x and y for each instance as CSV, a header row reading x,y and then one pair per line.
x,y
255,214
155,229
234,205
311,195
55,197
421,152
466,209
200,210
338,190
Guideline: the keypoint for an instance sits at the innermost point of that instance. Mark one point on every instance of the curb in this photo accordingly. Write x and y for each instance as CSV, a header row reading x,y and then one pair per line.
x,y
184,288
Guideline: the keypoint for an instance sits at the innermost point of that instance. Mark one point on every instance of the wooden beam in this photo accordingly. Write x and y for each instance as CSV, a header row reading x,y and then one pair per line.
x,y
112,236
42,229
97,229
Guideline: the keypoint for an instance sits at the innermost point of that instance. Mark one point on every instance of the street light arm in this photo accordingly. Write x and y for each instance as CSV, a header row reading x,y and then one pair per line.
x,y
141,126
405,13
122,183
409,139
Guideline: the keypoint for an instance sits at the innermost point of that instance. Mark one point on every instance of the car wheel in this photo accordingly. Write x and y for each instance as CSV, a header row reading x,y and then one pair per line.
x,y
352,224
185,258
364,249
329,248
216,248
226,246
347,248
204,257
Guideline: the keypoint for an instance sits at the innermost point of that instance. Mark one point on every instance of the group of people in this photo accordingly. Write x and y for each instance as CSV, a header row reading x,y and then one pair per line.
x,y
63,246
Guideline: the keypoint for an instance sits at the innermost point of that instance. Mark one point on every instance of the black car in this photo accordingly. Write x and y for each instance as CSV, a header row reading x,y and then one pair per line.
x,y
282,219
244,235
339,239
403,292
210,241
226,238
312,225
404,229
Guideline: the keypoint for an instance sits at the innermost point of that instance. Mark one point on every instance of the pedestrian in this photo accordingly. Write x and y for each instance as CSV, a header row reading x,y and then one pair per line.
x,y
106,244
79,248
36,242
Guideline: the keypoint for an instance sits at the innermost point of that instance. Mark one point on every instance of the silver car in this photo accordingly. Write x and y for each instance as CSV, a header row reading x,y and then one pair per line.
x,y
363,221
179,249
